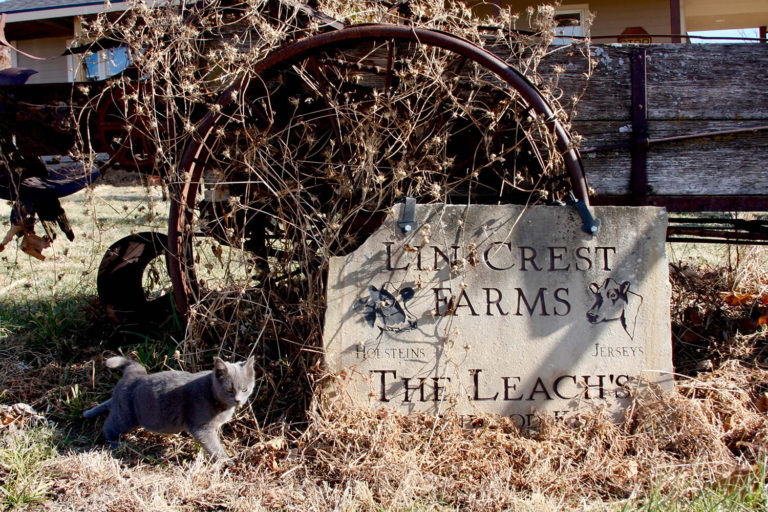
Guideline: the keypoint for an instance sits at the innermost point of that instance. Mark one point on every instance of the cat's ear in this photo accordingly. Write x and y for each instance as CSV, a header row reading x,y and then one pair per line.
x,y
248,363
219,367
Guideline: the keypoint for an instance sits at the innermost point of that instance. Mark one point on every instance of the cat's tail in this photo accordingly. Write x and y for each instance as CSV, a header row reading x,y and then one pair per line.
x,y
127,365
99,409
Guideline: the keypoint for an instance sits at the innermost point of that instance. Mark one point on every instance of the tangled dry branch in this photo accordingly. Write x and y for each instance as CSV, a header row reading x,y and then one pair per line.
x,y
276,167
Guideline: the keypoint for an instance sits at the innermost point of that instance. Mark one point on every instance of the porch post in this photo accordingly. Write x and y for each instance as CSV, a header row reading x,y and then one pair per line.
x,y
675,22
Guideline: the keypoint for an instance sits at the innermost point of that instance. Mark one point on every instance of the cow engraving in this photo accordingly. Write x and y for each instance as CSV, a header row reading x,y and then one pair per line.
x,y
614,301
385,310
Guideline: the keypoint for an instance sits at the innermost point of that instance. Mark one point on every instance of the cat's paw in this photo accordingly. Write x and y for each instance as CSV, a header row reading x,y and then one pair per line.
x,y
223,458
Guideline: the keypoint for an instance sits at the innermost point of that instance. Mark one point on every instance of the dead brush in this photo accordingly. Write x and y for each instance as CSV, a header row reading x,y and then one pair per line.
x,y
711,431
720,313
394,460
307,158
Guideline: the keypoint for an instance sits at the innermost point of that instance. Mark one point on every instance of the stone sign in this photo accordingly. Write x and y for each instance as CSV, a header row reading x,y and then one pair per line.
x,y
502,309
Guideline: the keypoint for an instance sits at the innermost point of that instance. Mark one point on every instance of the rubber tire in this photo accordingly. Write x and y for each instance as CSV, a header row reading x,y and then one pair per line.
x,y
119,282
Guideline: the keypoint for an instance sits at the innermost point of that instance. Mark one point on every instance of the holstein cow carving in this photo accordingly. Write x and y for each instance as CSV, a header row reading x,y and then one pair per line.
x,y
386,311
614,301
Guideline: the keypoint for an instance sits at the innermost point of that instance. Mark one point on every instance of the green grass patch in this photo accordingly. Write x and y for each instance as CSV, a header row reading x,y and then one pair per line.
x,y
51,323
23,455
50,303
744,491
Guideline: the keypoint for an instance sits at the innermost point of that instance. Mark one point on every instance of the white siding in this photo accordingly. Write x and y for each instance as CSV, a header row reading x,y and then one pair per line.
x,y
49,71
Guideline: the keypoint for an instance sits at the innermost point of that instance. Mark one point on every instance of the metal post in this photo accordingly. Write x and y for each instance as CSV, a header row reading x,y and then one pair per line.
x,y
639,148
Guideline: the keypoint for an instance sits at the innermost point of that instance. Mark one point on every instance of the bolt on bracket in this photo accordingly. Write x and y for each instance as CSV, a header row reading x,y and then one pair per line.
x,y
591,224
407,221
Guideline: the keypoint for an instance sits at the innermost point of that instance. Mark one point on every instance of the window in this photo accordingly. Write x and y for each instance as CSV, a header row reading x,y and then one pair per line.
x,y
103,64
570,21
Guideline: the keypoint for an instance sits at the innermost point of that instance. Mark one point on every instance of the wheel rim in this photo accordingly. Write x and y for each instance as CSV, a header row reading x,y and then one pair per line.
x,y
123,131
200,151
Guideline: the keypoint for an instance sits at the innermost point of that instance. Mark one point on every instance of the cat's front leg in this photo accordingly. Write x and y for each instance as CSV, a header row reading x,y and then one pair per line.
x,y
209,438
115,426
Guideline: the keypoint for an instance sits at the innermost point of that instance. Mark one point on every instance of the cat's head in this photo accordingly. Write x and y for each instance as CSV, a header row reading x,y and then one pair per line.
x,y
233,382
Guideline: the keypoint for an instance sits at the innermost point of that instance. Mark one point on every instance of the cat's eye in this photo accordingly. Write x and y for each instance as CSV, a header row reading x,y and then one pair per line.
x,y
244,390
230,388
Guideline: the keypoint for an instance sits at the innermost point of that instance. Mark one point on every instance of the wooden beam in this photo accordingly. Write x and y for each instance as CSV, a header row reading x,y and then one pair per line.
x,y
675,20
57,27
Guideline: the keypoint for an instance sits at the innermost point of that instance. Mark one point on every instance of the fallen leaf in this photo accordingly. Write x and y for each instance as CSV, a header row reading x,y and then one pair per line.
x,y
762,402
738,299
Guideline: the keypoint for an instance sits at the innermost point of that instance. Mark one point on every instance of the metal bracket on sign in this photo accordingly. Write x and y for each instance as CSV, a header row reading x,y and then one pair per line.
x,y
407,222
591,224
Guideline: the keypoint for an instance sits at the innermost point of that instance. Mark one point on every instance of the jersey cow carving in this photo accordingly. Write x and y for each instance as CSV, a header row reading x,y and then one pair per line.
x,y
614,301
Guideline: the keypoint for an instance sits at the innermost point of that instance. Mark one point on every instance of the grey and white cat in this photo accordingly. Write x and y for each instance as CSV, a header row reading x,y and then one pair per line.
x,y
174,401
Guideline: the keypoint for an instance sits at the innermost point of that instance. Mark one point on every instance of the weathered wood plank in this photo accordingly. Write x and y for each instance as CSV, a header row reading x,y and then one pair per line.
x,y
691,89
684,81
601,133
723,165
606,95
710,82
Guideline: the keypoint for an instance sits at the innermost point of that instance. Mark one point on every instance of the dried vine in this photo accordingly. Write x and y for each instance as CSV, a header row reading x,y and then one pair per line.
x,y
302,160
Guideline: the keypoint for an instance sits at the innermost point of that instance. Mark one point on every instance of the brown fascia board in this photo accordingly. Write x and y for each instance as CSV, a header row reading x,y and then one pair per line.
x,y
56,27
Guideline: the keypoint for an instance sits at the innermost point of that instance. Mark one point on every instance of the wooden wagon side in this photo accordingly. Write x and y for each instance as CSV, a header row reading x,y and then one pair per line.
x,y
698,114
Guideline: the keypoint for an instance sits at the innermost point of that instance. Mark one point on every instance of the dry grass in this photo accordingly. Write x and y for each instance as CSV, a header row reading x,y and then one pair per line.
x,y
710,434
366,460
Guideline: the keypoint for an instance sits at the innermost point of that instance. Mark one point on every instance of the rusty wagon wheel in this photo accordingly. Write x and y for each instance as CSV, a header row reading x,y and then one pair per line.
x,y
303,157
122,128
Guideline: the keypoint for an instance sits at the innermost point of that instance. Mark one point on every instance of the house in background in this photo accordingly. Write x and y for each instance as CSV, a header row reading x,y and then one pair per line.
x,y
45,28
641,21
